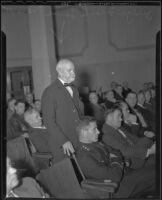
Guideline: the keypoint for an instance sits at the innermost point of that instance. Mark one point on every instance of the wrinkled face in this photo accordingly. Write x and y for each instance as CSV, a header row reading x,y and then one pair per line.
x,y
92,133
116,119
11,104
11,176
131,100
93,98
37,105
147,96
20,108
141,99
36,120
68,73
125,111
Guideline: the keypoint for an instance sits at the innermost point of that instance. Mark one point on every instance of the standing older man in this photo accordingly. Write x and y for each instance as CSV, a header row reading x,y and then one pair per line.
x,y
62,110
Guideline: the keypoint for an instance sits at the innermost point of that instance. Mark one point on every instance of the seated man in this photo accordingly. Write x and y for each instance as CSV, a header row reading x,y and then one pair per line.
x,y
26,187
138,150
147,115
131,100
101,162
16,125
130,122
37,132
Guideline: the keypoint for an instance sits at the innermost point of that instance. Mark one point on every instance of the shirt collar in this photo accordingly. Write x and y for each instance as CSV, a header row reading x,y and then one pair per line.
x,y
61,81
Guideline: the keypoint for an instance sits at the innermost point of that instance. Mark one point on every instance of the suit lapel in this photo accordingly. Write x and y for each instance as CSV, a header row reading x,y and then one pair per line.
x,y
65,92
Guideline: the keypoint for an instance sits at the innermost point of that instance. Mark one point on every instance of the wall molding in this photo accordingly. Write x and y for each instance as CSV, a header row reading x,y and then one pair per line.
x,y
85,45
119,49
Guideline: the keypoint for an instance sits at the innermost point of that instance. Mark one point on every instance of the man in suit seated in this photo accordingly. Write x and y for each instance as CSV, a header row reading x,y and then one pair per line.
x,y
37,132
26,187
16,125
148,116
131,100
138,150
99,161
130,122
10,107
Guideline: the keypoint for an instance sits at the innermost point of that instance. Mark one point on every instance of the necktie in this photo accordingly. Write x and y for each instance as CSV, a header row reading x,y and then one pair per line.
x,y
68,84
127,139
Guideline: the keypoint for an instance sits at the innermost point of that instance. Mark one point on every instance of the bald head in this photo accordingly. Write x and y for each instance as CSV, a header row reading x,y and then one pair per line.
x,y
66,70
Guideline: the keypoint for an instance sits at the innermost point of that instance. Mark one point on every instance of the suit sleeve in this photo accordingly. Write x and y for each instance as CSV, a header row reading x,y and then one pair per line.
x,y
92,168
127,150
49,106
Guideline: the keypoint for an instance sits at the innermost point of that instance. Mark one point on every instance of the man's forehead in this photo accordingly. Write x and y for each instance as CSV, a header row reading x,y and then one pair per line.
x,y
69,66
92,124
117,113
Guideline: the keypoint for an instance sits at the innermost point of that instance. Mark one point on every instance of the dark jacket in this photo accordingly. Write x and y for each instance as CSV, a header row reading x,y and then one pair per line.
x,y
131,147
96,163
61,114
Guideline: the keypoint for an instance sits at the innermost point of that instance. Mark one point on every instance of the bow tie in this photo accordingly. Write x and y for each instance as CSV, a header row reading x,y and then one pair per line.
x,y
68,84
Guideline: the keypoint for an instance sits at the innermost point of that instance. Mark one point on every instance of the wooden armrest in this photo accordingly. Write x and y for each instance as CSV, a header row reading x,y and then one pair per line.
x,y
98,189
44,155
100,183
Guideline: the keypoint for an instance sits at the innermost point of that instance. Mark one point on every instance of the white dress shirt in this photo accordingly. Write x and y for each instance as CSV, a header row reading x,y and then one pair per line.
x,y
69,89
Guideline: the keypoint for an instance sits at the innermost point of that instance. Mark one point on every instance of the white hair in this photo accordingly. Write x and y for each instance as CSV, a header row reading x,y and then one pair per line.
x,y
61,65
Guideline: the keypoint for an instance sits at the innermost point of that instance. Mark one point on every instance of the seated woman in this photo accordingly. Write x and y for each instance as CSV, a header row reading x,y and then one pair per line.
x,y
109,99
10,107
29,101
96,110
26,187
119,93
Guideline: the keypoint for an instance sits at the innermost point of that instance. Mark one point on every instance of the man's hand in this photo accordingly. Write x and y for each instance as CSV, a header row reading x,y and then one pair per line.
x,y
151,150
68,148
149,134
25,135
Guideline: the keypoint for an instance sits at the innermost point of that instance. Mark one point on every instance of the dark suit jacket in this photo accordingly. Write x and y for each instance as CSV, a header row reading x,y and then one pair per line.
x,y
135,129
148,116
95,162
61,114
109,104
94,159
136,151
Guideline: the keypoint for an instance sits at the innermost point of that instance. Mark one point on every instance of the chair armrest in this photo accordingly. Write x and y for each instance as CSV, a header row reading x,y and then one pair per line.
x,y
44,155
100,183
98,189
